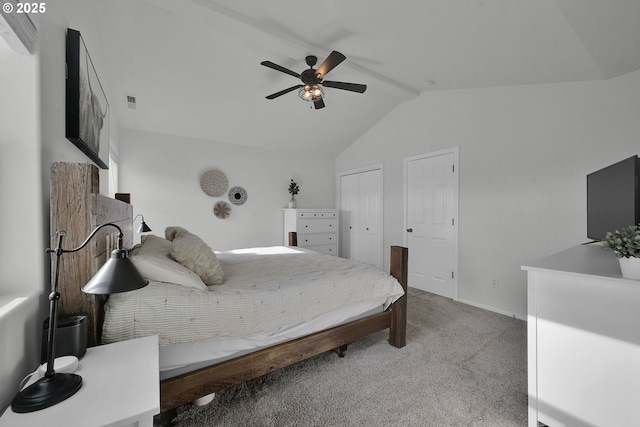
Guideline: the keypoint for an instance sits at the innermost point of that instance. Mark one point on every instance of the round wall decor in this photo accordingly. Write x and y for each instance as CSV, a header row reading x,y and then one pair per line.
x,y
214,183
238,196
222,210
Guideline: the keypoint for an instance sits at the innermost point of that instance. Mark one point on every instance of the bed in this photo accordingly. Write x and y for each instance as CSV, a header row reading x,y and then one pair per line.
x,y
243,350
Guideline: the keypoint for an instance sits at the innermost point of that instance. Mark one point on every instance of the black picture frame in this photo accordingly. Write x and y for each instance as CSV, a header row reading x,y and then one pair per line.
x,y
87,107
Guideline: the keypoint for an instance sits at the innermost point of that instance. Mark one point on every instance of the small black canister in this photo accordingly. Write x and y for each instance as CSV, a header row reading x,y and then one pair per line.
x,y
71,336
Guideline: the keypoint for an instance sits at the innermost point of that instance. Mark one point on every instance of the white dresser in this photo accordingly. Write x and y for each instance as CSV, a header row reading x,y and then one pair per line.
x,y
583,341
317,229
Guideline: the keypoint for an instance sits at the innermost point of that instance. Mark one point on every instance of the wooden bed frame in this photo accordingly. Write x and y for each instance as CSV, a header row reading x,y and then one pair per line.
x,y
76,207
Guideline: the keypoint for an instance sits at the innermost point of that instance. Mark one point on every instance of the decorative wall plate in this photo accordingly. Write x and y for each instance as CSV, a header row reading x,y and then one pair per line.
x,y
214,183
222,210
238,196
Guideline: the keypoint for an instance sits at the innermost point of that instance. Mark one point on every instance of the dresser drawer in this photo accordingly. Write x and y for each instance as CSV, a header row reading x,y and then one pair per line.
x,y
326,249
319,214
317,226
305,240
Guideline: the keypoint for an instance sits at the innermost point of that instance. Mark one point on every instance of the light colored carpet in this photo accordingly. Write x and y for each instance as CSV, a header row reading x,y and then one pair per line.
x,y
462,366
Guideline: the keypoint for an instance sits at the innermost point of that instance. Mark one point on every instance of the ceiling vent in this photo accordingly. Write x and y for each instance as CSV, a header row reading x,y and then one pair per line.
x,y
131,102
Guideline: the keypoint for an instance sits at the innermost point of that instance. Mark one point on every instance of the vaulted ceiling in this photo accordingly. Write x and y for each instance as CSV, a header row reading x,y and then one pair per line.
x,y
194,65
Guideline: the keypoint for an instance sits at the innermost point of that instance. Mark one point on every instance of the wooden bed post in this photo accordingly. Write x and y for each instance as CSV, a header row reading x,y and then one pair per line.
x,y
293,238
398,331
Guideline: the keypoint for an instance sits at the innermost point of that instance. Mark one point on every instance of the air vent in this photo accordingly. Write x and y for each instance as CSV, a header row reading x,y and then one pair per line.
x,y
131,102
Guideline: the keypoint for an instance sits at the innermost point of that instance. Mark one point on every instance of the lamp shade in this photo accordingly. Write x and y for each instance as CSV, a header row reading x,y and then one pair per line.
x,y
311,93
143,228
117,275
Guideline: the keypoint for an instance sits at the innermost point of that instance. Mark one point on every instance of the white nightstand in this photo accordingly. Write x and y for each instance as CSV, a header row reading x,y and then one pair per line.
x,y
120,387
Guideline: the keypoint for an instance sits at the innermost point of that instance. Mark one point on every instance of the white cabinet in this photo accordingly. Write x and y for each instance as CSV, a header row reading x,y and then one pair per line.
x,y
583,340
317,229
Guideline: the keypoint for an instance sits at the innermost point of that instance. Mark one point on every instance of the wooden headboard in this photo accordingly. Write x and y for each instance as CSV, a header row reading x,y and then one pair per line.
x,y
77,208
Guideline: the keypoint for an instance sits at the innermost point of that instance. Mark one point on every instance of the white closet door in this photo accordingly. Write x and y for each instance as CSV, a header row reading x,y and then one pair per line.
x,y
371,217
349,214
361,216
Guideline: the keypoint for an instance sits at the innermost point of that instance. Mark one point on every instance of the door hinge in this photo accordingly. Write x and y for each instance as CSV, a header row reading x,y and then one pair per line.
x,y
452,274
453,168
453,221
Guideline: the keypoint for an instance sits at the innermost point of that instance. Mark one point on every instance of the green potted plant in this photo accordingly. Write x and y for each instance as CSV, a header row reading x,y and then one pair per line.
x,y
625,244
293,190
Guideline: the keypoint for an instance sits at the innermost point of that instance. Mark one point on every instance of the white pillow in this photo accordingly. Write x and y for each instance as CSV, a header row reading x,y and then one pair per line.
x,y
153,261
151,244
192,252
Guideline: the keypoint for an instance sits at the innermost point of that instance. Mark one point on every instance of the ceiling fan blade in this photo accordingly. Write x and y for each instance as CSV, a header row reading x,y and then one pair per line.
x,y
353,87
318,104
280,68
282,92
330,63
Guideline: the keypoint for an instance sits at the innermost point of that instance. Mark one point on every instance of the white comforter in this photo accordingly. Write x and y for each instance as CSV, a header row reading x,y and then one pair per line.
x,y
264,289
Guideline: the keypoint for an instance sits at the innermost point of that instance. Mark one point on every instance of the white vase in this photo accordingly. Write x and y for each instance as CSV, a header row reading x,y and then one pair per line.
x,y
292,203
630,268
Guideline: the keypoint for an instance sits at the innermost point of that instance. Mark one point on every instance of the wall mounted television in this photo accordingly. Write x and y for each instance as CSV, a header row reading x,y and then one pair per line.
x,y
613,198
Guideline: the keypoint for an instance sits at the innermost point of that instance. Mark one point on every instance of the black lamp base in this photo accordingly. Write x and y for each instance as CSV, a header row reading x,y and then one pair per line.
x,y
46,392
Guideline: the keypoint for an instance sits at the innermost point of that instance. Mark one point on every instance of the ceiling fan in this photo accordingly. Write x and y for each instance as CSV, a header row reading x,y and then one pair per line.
x,y
312,88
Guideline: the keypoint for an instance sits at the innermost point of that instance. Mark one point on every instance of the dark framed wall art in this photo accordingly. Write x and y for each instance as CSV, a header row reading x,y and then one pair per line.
x,y
87,108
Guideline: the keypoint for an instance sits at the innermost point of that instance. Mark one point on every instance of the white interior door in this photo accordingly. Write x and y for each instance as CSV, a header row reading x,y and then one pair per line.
x,y
361,208
431,234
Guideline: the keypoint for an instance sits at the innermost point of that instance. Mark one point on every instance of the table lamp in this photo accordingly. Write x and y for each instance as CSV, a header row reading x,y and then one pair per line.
x,y
118,274
143,228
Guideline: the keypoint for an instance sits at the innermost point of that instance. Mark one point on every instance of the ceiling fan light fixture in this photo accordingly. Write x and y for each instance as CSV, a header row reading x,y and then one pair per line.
x,y
311,93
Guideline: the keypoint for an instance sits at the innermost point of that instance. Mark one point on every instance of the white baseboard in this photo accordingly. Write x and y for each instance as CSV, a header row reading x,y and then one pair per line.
x,y
495,310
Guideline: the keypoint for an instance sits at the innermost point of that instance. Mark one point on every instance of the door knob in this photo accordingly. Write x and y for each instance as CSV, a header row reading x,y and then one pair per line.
x,y
409,230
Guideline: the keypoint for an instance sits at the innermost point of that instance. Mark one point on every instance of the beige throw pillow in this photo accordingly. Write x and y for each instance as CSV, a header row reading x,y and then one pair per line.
x,y
170,233
193,253
152,260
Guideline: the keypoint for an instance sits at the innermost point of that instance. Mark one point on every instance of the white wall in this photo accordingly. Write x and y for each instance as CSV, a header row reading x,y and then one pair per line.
x,y
20,210
32,136
162,173
524,155
21,219
78,15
